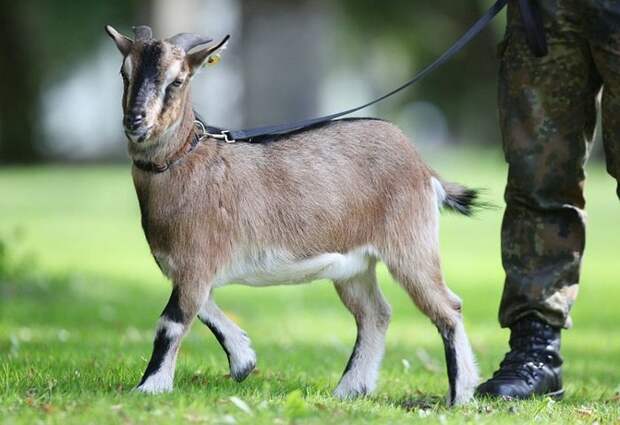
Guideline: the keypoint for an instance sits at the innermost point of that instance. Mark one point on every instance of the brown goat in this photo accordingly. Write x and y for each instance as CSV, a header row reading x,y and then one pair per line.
x,y
325,203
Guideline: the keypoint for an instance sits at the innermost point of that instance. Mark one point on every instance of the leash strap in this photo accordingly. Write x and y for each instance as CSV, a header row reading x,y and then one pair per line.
x,y
254,134
534,30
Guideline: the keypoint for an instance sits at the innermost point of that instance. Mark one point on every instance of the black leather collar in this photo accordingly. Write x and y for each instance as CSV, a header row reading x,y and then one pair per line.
x,y
199,133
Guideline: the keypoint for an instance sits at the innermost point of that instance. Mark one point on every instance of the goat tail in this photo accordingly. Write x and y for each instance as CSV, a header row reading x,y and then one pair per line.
x,y
457,198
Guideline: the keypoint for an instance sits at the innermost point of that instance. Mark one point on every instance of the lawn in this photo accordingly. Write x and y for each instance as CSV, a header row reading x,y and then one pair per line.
x,y
80,296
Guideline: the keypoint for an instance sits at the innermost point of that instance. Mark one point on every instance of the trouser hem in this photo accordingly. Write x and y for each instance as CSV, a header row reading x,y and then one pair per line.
x,y
560,323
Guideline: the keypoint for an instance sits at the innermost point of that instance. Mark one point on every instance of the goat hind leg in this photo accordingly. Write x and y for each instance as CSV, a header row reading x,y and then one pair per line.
x,y
362,296
425,286
460,362
234,341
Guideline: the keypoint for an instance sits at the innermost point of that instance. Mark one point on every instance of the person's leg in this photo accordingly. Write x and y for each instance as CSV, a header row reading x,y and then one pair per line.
x,y
603,29
547,117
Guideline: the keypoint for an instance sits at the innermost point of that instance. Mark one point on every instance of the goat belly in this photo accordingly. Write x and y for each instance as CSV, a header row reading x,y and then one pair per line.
x,y
272,267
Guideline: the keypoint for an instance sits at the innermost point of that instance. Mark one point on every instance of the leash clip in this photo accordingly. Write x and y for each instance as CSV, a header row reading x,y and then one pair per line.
x,y
222,135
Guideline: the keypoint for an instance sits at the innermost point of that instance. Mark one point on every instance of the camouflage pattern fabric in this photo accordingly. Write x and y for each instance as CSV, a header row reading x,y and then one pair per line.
x,y
547,117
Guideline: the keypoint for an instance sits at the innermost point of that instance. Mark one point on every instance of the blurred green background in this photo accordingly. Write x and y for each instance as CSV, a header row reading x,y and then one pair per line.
x,y
60,91
80,293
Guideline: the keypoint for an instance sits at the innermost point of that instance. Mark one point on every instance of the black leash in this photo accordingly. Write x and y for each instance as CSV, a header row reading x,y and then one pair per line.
x,y
258,133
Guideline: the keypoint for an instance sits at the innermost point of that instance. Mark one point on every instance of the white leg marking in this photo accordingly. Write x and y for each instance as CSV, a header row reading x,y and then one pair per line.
x,y
173,329
233,339
361,378
372,314
467,377
161,380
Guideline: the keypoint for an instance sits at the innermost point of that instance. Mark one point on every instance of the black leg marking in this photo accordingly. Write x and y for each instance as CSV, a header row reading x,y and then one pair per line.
x,y
451,365
353,355
161,346
173,311
237,374
218,335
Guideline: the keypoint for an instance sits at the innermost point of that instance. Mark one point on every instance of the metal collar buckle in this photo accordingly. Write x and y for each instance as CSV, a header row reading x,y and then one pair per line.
x,y
202,128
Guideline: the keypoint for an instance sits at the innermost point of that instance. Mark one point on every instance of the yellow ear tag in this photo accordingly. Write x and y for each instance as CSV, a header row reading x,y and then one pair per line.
x,y
213,60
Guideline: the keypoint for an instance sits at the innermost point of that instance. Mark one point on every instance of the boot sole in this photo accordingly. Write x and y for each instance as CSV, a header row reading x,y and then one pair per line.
x,y
556,395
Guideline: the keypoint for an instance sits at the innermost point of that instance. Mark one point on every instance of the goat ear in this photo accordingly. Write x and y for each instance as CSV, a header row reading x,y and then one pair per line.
x,y
206,56
123,43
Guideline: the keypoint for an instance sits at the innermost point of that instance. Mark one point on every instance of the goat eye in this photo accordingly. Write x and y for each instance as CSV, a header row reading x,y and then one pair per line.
x,y
177,83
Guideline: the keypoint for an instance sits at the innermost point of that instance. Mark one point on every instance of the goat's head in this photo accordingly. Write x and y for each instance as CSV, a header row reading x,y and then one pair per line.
x,y
156,76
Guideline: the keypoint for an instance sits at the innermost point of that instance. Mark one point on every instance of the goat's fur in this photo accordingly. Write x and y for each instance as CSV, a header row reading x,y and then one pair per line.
x,y
328,203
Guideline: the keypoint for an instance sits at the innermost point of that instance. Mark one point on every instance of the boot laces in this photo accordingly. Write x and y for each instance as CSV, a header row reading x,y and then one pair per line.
x,y
521,365
527,357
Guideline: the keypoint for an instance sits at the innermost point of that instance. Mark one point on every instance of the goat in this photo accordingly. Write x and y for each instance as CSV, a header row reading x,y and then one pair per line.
x,y
324,203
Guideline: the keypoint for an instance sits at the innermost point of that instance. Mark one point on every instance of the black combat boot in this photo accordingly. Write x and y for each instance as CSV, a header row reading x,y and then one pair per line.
x,y
533,365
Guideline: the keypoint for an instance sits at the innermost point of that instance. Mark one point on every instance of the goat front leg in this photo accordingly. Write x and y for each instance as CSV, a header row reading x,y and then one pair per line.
x,y
175,320
234,341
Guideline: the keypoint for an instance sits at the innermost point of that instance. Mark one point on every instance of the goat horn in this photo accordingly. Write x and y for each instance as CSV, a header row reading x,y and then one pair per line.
x,y
143,33
188,41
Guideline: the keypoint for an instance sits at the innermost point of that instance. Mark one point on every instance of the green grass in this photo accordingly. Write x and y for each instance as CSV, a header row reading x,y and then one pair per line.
x,y
82,296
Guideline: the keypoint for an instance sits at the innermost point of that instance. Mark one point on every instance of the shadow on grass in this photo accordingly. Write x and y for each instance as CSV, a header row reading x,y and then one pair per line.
x,y
417,402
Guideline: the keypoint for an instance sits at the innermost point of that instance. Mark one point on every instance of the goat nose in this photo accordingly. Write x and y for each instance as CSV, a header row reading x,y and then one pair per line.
x,y
134,118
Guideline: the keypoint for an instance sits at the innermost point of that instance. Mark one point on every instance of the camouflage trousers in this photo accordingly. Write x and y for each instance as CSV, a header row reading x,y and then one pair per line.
x,y
548,109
